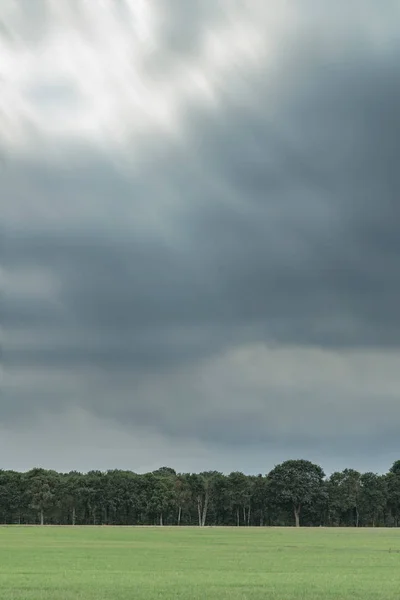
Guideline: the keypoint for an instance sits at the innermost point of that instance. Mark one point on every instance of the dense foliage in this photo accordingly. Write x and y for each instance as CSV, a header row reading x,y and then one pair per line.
x,y
295,492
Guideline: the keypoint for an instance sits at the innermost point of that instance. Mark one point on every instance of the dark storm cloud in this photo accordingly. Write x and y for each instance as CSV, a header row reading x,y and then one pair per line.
x,y
318,211
292,230
282,229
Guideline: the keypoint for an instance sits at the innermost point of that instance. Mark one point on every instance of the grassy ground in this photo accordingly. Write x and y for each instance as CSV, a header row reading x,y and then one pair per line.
x,y
55,563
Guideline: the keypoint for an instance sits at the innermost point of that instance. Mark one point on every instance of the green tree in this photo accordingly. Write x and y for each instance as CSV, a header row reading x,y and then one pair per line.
x,y
203,487
92,495
259,499
393,491
158,496
240,492
182,494
344,489
11,496
68,497
373,498
41,486
294,484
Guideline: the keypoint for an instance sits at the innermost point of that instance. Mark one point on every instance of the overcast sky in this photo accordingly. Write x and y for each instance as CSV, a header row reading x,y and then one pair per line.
x,y
200,250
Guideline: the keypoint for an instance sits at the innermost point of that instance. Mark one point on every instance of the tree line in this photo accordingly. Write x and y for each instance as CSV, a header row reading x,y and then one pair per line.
x,y
296,492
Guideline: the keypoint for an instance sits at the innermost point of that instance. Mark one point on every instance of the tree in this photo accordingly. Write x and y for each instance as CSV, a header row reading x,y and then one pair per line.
x,y
68,500
240,489
159,495
165,472
373,497
344,496
294,484
393,491
203,487
259,498
11,496
92,496
182,494
40,489
293,491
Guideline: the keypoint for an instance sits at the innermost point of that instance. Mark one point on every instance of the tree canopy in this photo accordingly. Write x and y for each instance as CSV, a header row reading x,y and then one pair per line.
x,y
295,492
295,484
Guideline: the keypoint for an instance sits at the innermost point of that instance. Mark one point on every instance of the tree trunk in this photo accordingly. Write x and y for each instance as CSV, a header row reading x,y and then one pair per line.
x,y
205,508
41,517
73,516
297,515
244,515
237,518
199,509
161,520
248,516
179,515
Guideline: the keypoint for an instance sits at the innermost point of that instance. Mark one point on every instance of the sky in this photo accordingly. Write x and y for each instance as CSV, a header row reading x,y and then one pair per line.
x,y
199,249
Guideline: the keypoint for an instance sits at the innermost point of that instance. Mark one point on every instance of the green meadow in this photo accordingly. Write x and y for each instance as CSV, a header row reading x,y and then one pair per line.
x,y
117,563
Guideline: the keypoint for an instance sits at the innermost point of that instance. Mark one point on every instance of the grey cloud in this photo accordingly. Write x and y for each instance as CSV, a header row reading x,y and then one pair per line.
x,y
182,25
221,407
31,19
317,244
282,228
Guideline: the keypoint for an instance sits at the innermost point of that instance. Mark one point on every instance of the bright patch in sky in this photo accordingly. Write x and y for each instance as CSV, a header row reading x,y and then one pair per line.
x,y
88,78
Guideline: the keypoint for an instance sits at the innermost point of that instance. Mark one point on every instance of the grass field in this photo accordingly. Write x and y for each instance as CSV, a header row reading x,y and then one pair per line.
x,y
55,563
